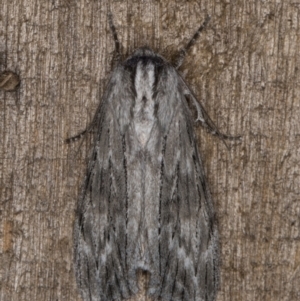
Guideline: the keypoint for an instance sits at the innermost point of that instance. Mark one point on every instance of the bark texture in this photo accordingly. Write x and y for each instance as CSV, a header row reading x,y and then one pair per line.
x,y
244,70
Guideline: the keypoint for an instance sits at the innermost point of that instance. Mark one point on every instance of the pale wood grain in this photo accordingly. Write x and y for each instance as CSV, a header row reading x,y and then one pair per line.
x,y
245,71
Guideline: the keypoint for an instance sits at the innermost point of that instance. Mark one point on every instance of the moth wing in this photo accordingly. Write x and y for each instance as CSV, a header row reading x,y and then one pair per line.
x,y
189,237
98,233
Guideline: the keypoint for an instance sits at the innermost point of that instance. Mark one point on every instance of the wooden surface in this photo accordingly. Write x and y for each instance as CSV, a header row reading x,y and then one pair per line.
x,y
244,70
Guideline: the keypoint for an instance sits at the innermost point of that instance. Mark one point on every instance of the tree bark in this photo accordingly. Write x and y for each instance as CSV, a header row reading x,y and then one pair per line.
x,y
245,71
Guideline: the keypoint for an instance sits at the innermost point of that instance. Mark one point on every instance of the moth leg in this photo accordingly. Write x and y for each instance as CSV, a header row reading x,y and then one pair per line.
x,y
89,128
206,121
183,51
77,137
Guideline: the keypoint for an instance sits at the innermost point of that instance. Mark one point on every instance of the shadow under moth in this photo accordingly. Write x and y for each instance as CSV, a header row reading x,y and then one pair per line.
x,y
145,204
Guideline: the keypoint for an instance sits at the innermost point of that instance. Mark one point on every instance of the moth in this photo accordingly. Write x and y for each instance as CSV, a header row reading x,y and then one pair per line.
x,y
145,204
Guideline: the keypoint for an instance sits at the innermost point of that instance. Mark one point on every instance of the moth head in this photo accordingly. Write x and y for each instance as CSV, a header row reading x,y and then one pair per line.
x,y
143,51
144,55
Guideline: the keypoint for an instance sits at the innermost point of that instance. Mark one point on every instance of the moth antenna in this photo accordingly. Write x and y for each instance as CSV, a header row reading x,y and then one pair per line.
x,y
183,51
115,36
117,58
